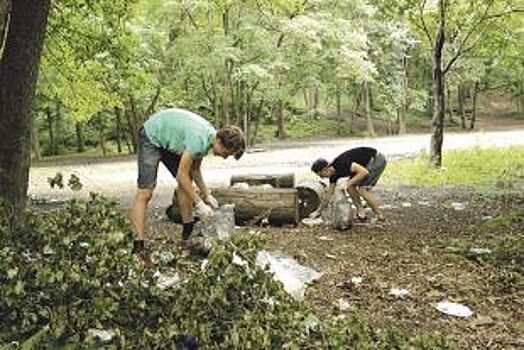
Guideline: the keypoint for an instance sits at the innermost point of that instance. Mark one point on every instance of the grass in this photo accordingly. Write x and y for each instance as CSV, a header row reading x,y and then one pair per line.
x,y
475,168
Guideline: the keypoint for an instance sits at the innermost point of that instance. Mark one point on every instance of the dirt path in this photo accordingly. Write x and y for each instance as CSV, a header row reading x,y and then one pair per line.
x,y
118,178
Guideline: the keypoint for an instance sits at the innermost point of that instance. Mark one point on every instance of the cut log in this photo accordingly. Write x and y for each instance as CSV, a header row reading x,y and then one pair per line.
x,y
276,180
254,205
310,194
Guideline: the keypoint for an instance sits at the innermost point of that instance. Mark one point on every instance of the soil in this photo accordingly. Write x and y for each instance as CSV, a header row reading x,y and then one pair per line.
x,y
423,247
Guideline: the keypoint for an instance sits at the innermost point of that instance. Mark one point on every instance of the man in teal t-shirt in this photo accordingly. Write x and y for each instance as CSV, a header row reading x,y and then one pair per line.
x,y
179,139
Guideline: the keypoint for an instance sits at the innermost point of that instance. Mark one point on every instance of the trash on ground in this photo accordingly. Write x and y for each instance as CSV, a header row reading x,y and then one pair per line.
x,y
454,309
406,204
293,276
331,256
480,251
241,185
325,238
487,218
342,304
238,261
338,212
424,203
356,280
312,222
458,206
387,207
220,226
101,335
400,293
165,281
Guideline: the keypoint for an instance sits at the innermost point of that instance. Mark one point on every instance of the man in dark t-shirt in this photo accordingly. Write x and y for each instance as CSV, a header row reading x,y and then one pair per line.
x,y
363,167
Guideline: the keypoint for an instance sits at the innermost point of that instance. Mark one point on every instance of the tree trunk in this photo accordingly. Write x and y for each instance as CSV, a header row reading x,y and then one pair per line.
x,y
19,66
51,130
279,206
101,133
461,96
474,107
279,114
339,113
439,103
35,142
276,180
447,97
80,144
369,120
118,115
401,116
5,10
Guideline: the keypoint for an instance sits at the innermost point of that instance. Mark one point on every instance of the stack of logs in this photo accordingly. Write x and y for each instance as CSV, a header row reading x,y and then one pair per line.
x,y
281,203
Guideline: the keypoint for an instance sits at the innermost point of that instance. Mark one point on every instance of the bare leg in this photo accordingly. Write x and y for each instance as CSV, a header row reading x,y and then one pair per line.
x,y
186,206
355,197
370,198
138,211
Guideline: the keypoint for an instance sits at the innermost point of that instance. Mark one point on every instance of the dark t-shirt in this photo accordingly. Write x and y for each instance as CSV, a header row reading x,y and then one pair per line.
x,y
342,163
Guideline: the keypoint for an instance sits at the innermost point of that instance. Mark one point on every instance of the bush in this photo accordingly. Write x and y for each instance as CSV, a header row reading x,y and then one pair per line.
x,y
65,274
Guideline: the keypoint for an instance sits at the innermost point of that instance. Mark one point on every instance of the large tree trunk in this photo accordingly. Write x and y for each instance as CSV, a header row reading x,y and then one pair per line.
x,y
18,76
439,103
474,107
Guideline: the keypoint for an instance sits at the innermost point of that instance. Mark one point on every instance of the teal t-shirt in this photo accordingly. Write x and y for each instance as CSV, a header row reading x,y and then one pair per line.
x,y
179,130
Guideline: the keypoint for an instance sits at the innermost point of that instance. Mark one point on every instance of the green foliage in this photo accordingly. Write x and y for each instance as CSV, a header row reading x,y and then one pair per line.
x,y
58,180
476,168
68,273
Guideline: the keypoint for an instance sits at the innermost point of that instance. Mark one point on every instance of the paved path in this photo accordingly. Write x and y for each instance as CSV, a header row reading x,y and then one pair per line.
x,y
118,178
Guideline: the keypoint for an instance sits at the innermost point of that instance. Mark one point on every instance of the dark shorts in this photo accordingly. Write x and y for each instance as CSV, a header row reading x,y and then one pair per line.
x,y
375,167
149,156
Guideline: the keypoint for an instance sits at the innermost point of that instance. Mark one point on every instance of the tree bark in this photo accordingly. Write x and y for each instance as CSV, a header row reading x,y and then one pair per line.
x,y
80,144
439,103
118,131
19,66
279,114
51,130
5,10
474,107
35,142
369,120
401,119
461,96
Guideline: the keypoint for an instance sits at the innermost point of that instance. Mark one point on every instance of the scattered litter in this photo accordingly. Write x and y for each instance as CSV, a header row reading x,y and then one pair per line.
x,y
293,276
483,321
487,218
399,292
342,304
458,206
406,204
102,335
312,222
424,203
387,207
165,281
241,185
356,281
326,239
221,225
454,309
238,261
48,250
83,244
479,251
331,256
204,264
338,212
164,257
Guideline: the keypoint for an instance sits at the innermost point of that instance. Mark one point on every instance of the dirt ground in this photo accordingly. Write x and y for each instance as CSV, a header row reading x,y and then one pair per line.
x,y
422,247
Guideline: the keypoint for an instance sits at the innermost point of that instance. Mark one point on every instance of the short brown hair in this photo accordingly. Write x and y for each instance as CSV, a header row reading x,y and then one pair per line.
x,y
233,140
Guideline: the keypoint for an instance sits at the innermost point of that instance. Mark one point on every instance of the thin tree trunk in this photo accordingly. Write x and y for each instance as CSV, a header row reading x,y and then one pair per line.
x,y
461,96
118,115
101,133
339,112
279,114
19,66
256,115
80,144
51,130
474,107
401,115
439,103
35,142
369,120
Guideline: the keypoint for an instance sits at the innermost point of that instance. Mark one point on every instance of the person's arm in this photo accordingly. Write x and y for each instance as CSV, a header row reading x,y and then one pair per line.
x,y
360,174
324,201
198,178
183,176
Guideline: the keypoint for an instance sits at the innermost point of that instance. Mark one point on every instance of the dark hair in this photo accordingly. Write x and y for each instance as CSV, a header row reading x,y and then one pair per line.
x,y
233,140
318,165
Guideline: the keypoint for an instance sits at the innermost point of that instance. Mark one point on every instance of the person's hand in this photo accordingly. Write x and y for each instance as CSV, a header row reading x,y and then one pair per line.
x,y
314,214
212,201
203,211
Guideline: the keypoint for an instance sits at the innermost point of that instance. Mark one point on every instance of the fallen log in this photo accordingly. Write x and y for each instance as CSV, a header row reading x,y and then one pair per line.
x,y
310,194
286,180
253,205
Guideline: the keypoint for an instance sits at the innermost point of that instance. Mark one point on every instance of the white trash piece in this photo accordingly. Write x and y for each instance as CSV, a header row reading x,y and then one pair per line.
x,y
356,281
100,334
342,304
406,204
312,222
400,293
458,206
338,212
221,225
165,281
325,238
293,276
454,309
480,251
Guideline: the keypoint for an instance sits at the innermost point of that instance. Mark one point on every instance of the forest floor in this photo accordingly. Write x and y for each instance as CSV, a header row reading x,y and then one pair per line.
x,y
425,247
